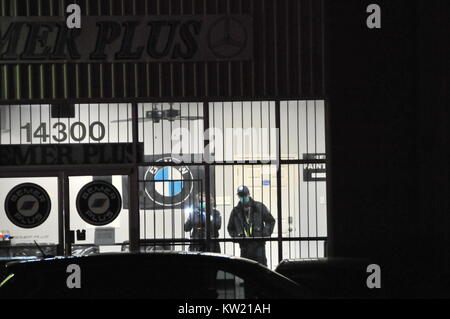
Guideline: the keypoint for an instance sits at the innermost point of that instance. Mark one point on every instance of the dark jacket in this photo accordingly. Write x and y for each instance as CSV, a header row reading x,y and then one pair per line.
x,y
196,224
260,219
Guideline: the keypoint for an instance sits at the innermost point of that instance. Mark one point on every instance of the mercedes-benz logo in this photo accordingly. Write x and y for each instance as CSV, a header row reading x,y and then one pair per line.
x,y
227,37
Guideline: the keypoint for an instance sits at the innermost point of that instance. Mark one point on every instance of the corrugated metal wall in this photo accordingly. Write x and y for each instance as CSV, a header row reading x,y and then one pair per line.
x,y
288,62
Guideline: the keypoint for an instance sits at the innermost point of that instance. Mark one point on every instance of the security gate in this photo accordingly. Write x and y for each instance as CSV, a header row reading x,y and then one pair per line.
x,y
128,176
233,97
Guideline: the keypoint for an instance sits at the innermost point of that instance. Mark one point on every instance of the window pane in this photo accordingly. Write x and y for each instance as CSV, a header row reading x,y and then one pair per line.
x,y
304,209
243,131
171,129
262,185
43,230
302,128
65,123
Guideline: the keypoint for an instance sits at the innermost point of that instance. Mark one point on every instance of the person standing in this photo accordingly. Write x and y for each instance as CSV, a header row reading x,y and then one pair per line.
x,y
196,224
250,219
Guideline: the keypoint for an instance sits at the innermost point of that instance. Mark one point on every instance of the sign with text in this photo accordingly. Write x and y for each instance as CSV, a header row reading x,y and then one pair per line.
x,y
126,39
69,154
99,203
27,205
314,172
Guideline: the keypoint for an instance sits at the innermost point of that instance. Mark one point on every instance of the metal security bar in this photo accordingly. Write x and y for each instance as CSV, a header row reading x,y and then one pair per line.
x,y
303,130
243,131
304,209
188,154
241,142
288,60
147,118
65,123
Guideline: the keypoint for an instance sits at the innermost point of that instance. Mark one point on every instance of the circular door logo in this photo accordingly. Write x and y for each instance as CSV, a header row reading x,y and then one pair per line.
x,y
227,37
168,186
27,205
99,203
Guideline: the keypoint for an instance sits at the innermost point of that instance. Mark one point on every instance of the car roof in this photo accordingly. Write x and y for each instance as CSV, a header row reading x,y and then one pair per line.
x,y
157,256
321,263
172,257
165,257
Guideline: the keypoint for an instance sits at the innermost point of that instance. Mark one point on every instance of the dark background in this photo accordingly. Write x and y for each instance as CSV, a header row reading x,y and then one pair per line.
x,y
389,184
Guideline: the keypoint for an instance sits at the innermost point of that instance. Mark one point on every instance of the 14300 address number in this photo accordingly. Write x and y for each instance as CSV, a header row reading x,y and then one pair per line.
x,y
77,132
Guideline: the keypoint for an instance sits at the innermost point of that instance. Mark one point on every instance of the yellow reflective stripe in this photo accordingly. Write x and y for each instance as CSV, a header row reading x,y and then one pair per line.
x,y
251,231
6,280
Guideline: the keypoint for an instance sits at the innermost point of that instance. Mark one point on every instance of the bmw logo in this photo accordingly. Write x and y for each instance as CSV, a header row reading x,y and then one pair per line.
x,y
168,186
99,203
27,205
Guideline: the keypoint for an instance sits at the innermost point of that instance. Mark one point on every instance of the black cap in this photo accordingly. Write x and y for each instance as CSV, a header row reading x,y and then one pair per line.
x,y
243,191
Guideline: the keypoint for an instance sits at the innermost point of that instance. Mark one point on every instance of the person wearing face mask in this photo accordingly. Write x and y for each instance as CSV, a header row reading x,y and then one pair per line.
x,y
196,224
251,219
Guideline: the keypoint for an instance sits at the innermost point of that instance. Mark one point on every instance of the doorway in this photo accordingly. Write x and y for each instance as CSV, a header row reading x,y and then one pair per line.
x,y
69,212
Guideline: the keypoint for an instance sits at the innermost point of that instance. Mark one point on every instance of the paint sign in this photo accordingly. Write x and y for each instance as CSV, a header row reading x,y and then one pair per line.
x,y
314,172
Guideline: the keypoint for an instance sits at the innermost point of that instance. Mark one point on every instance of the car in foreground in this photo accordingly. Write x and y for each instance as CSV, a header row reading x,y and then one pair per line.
x,y
6,260
157,275
330,277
